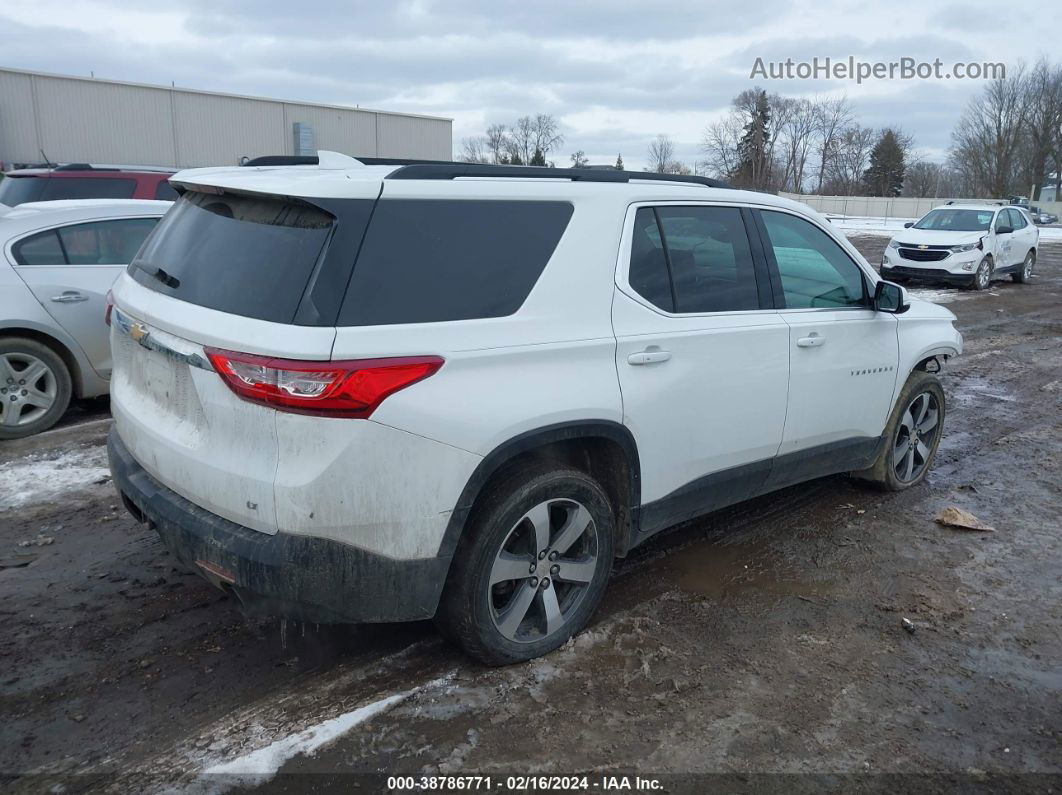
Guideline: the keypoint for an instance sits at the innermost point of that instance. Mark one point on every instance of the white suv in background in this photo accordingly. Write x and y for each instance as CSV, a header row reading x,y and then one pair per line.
x,y
59,260
378,393
964,244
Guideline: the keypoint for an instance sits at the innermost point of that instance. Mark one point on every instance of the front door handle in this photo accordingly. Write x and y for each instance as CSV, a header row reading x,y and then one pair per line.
x,y
69,297
813,340
650,355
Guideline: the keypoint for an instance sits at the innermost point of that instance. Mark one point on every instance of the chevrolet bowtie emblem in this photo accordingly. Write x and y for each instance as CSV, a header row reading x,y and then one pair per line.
x,y
923,246
139,332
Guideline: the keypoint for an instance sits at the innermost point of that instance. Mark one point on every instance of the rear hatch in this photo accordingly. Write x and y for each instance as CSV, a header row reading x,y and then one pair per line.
x,y
229,271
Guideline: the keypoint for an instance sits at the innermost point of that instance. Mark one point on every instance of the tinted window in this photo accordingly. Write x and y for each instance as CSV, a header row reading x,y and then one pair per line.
x,y
164,192
711,262
250,256
1017,219
105,242
433,260
40,249
648,272
87,188
17,190
815,271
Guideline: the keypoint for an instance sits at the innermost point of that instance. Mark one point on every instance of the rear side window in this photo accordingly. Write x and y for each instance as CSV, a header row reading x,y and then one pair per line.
x,y
105,242
425,261
648,274
247,255
40,249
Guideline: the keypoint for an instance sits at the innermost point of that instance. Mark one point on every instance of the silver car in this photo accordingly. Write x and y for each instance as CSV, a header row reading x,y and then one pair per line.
x,y
59,260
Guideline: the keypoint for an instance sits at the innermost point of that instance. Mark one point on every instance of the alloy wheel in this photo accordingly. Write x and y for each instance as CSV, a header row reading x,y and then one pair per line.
x,y
28,388
916,437
543,570
1027,266
983,275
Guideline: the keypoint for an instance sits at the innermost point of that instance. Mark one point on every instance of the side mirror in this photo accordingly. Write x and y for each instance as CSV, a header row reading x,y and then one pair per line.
x,y
908,225
1004,230
892,298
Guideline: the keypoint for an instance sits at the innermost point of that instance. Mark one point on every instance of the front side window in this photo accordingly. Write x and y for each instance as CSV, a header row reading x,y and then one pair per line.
x,y
105,242
815,271
693,260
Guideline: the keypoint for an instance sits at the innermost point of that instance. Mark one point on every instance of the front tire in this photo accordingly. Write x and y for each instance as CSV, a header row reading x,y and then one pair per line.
x,y
35,387
982,276
1024,276
912,435
532,567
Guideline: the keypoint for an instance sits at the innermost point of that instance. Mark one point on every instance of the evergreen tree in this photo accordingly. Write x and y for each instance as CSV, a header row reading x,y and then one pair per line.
x,y
514,160
885,175
538,158
752,168
619,162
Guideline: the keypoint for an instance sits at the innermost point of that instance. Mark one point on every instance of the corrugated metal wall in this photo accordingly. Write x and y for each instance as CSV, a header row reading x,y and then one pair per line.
x,y
96,121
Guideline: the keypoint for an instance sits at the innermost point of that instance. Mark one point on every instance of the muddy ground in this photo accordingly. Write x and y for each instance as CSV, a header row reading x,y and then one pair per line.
x,y
766,639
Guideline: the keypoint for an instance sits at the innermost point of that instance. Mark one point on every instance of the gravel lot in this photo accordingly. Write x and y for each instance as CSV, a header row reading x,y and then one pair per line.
x,y
766,639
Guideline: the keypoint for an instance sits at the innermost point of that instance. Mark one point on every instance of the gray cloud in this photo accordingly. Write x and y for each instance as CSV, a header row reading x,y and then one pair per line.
x,y
614,73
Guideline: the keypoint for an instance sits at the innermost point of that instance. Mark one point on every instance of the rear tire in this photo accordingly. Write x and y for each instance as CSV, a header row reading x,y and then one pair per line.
x,y
1024,276
912,435
35,387
532,566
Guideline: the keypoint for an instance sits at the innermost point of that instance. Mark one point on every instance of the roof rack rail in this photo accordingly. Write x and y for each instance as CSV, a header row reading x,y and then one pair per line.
x,y
313,160
457,170
412,168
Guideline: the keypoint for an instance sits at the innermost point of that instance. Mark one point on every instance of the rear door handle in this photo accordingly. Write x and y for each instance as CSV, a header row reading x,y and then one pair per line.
x,y
69,297
813,340
650,355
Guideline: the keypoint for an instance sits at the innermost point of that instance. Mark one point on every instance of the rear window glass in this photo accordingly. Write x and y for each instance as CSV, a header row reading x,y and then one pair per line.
x,y
17,190
429,260
247,255
164,191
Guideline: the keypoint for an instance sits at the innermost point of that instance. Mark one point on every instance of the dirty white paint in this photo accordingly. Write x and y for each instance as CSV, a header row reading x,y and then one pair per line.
x,y
43,476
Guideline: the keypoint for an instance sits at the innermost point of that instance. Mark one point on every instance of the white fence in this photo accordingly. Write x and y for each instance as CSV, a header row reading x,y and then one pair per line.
x,y
879,207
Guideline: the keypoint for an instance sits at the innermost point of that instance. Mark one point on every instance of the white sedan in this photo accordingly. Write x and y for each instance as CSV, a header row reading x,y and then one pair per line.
x,y
59,260
965,244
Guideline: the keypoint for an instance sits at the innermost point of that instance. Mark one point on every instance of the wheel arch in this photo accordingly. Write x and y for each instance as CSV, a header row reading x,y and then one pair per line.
x,y
604,449
61,349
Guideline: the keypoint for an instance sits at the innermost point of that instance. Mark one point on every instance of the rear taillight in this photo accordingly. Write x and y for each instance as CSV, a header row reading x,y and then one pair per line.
x,y
352,388
109,309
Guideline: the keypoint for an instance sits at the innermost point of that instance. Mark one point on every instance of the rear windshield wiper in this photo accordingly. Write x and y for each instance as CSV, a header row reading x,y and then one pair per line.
x,y
160,274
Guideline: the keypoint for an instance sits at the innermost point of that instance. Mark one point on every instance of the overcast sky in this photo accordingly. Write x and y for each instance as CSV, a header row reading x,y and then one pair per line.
x,y
614,73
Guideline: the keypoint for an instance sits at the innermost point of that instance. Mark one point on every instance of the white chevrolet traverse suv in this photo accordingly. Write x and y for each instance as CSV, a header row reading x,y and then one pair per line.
x,y
964,244
361,393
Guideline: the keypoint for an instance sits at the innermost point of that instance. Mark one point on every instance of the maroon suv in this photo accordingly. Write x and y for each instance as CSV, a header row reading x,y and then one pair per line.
x,y
84,181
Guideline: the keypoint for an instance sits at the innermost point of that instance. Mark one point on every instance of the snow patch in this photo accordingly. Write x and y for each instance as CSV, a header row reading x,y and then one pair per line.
x,y
42,476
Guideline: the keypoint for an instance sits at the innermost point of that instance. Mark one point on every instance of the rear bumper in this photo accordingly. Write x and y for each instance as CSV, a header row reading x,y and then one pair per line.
x,y
284,575
926,275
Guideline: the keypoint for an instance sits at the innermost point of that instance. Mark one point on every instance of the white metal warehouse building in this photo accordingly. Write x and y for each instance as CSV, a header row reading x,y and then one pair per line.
x,y
86,120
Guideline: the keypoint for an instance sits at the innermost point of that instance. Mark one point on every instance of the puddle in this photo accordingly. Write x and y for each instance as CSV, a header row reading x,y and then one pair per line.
x,y
719,569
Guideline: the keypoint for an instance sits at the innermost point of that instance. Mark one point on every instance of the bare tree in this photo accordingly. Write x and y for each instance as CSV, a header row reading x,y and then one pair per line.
x,y
988,136
847,159
1043,108
923,179
661,154
832,117
473,150
579,159
496,142
546,133
719,145
795,120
